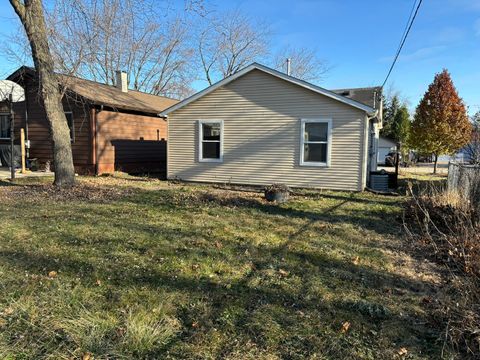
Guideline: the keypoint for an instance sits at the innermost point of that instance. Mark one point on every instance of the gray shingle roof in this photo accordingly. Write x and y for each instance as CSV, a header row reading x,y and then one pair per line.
x,y
369,95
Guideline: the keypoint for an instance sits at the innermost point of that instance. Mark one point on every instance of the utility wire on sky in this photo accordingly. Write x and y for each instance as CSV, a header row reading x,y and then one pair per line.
x,y
406,31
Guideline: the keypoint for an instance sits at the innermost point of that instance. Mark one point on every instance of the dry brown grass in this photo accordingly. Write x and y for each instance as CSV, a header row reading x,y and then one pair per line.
x,y
446,226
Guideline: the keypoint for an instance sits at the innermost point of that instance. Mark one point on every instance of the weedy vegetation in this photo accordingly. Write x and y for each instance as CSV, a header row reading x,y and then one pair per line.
x,y
445,226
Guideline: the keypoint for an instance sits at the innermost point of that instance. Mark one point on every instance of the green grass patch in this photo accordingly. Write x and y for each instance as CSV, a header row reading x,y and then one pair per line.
x,y
150,269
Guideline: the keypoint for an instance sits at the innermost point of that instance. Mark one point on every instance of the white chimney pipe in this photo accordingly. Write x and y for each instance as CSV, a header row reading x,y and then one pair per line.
x,y
289,66
122,82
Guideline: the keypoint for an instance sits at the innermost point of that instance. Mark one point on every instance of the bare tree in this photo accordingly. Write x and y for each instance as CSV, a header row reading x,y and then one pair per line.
x,y
94,38
30,13
472,149
305,64
230,41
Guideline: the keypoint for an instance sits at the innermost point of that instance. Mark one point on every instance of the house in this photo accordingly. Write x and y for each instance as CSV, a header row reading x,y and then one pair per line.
x,y
385,146
261,126
7,89
111,127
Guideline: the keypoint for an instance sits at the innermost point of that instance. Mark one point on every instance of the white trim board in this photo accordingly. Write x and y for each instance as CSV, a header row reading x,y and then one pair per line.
x,y
255,66
200,141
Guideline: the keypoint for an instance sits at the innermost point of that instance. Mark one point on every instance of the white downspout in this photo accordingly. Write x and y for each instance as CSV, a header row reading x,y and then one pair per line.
x,y
366,150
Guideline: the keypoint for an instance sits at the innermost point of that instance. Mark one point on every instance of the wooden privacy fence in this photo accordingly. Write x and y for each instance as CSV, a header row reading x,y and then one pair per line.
x,y
141,156
465,180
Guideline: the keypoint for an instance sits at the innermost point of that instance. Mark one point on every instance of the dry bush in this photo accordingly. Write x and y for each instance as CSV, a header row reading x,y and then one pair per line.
x,y
445,226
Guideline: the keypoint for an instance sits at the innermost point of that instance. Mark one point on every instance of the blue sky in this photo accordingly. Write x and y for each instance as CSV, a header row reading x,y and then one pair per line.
x,y
359,39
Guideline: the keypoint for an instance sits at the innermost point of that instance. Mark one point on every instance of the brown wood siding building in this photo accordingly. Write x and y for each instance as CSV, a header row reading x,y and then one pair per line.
x,y
115,126
96,127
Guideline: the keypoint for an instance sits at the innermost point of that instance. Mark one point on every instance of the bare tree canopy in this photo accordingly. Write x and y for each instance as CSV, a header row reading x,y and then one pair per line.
x,y
472,149
163,47
94,38
230,41
305,64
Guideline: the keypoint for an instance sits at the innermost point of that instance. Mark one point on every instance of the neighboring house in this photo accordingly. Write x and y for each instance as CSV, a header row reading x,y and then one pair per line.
x,y
385,146
260,126
8,91
462,156
111,127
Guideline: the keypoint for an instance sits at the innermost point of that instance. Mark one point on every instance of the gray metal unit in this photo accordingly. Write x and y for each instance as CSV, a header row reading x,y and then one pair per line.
x,y
5,151
379,182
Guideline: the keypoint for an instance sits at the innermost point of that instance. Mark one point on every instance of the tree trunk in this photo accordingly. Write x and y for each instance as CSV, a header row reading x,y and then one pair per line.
x,y
435,164
31,15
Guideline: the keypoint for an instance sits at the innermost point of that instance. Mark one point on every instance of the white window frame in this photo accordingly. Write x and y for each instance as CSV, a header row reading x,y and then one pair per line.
x,y
72,132
328,142
8,137
201,141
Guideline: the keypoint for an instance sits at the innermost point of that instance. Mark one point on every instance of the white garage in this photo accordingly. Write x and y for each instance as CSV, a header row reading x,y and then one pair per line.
x,y
385,146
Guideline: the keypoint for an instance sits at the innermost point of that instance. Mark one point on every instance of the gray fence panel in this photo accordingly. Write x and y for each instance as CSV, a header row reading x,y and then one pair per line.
x,y
465,179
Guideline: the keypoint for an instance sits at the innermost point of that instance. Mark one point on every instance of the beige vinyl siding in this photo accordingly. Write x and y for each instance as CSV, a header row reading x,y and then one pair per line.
x,y
261,144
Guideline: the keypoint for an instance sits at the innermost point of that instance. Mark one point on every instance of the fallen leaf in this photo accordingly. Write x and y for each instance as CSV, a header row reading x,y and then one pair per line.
x,y
8,311
283,272
87,356
356,261
345,327
402,351
52,274
121,331
218,245
427,300
98,282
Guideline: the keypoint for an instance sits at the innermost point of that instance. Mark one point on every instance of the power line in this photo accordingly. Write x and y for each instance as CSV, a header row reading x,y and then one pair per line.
x,y
409,25
406,25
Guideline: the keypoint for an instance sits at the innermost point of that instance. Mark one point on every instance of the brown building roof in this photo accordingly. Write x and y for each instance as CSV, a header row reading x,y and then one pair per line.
x,y
369,96
102,94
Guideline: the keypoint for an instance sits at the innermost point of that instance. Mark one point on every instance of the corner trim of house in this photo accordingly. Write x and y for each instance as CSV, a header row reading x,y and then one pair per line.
x,y
363,170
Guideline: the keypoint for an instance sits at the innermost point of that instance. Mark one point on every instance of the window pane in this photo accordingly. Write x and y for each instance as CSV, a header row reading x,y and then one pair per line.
x,y
211,150
316,131
4,126
315,153
211,131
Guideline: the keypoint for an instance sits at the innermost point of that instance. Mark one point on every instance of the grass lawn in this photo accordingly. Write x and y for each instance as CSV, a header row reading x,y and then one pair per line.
x,y
137,268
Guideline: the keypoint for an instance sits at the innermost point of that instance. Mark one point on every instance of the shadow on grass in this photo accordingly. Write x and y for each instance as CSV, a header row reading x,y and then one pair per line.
x,y
8,183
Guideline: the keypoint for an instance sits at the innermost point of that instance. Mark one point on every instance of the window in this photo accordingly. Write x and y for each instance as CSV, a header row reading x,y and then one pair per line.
x,y
210,141
4,126
69,116
315,142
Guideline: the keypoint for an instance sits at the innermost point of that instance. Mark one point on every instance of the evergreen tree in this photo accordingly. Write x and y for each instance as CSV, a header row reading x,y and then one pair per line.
x,y
401,129
391,107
